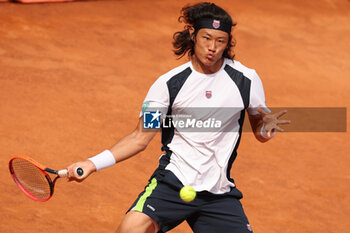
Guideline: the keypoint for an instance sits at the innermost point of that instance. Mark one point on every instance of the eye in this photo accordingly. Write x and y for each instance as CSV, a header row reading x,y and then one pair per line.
x,y
206,38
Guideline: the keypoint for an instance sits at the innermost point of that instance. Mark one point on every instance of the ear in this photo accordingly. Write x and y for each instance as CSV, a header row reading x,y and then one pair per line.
x,y
191,31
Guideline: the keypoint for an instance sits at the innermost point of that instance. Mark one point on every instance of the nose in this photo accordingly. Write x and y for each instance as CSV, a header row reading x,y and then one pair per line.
x,y
212,46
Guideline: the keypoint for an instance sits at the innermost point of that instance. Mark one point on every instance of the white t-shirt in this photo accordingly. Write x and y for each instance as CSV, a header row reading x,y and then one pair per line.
x,y
202,159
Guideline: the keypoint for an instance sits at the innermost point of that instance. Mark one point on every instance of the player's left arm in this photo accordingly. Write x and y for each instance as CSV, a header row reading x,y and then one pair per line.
x,y
265,125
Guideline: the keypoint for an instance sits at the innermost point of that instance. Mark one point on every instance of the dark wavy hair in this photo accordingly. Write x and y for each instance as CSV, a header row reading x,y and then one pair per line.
x,y
189,15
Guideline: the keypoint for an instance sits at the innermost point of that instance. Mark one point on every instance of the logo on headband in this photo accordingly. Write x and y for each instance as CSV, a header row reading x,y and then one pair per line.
x,y
216,24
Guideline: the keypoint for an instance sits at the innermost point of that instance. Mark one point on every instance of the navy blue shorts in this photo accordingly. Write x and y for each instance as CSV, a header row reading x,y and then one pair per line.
x,y
207,213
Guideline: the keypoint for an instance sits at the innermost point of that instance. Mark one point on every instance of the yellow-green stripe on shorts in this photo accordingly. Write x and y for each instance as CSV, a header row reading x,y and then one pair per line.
x,y
149,189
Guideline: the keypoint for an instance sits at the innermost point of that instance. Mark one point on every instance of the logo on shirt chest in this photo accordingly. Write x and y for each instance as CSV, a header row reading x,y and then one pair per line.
x,y
208,94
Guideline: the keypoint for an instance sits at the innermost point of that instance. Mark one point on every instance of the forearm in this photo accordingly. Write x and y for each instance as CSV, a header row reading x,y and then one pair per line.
x,y
128,146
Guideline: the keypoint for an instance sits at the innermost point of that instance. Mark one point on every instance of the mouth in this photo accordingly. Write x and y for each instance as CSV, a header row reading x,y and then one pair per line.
x,y
210,56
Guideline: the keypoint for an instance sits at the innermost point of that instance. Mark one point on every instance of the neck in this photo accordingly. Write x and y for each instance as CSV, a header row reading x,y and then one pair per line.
x,y
204,69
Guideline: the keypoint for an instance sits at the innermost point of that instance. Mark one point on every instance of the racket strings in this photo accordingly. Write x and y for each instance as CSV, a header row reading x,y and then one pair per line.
x,y
31,178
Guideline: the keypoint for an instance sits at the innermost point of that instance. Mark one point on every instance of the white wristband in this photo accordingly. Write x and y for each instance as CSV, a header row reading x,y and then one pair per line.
x,y
103,160
263,132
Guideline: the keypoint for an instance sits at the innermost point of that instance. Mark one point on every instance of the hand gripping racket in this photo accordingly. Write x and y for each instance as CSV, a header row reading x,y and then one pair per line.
x,y
32,178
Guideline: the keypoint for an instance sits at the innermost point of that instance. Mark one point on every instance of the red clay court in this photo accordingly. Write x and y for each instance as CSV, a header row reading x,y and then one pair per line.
x,y
73,76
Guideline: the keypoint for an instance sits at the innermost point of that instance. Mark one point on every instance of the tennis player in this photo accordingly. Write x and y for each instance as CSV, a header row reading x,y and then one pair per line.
x,y
203,160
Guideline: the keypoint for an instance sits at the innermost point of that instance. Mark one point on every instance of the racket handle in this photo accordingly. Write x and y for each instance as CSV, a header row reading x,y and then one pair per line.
x,y
62,173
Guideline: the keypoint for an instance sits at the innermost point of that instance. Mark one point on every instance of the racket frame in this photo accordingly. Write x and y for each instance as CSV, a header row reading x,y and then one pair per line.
x,y
42,168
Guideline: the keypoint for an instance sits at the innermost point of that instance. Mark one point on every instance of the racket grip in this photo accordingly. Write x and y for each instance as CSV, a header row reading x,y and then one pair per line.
x,y
62,173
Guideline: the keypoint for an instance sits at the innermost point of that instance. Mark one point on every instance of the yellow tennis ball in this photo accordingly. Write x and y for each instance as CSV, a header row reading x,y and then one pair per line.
x,y
187,193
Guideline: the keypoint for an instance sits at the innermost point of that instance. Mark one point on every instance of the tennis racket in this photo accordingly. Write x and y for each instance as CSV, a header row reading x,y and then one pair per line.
x,y
33,178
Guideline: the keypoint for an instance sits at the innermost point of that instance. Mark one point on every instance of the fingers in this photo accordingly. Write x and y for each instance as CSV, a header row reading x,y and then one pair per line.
x,y
279,129
272,127
72,175
261,111
272,122
281,113
283,122
80,171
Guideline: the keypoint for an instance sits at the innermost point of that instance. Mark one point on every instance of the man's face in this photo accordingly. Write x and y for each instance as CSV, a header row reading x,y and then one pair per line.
x,y
209,46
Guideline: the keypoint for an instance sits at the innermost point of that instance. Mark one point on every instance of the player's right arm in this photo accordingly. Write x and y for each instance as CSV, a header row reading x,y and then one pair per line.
x,y
127,147
133,143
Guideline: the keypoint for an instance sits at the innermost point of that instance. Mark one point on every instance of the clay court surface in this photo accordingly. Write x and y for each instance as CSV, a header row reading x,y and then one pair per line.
x,y
73,77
